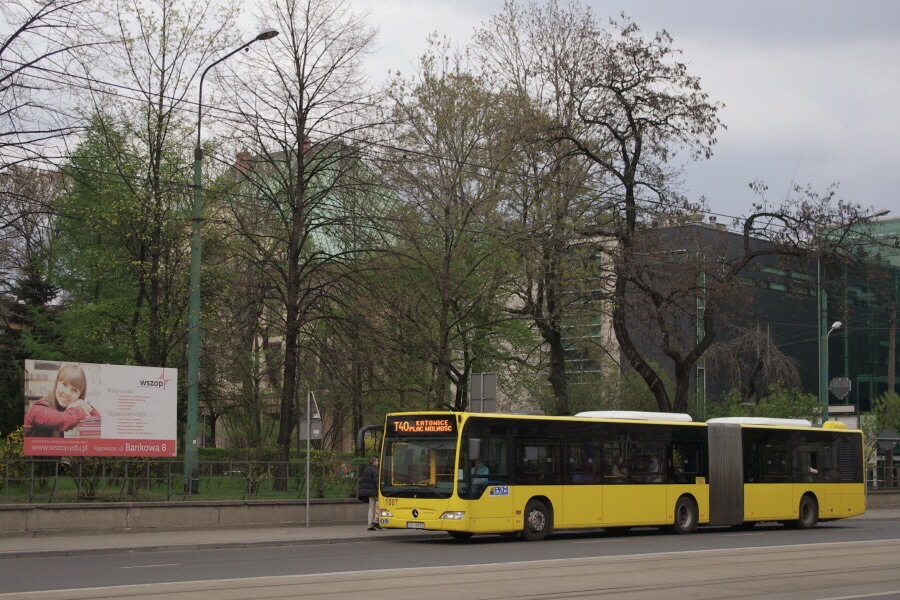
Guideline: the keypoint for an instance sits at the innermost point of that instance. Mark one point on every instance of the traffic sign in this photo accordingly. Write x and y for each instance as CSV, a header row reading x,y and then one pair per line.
x,y
887,439
840,387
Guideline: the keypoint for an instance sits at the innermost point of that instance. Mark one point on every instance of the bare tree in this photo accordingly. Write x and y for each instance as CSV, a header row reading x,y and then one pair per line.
x,y
537,53
239,355
636,110
629,106
27,200
303,110
753,361
684,284
454,144
38,41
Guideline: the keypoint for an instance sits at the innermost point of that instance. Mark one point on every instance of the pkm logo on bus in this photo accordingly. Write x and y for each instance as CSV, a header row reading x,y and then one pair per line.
x,y
499,490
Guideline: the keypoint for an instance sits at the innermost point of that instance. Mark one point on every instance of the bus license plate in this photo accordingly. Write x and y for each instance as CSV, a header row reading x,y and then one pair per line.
x,y
415,525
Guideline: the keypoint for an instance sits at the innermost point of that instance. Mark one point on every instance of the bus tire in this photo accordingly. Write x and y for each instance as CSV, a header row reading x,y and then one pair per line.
x,y
537,521
685,515
460,536
808,515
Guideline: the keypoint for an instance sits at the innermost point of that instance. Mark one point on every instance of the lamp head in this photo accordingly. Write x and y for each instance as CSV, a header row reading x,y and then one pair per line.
x,y
836,325
266,34
881,213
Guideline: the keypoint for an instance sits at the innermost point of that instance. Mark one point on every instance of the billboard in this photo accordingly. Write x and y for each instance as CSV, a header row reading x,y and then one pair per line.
x,y
85,409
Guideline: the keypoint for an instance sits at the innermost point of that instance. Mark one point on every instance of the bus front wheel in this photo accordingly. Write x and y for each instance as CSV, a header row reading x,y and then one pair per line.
x,y
685,515
537,521
809,513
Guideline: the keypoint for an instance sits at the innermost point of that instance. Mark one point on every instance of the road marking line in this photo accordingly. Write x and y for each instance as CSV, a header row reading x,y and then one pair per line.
x,y
891,593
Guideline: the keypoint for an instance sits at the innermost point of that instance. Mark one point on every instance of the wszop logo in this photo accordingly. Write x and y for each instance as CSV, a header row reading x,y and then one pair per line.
x,y
159,382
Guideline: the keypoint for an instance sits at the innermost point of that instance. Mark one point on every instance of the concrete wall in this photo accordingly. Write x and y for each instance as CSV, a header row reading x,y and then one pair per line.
x,y
30,520
881,499
54,519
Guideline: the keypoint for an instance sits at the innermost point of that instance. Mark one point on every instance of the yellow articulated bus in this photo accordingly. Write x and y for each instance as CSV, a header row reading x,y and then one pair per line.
x,y
473,473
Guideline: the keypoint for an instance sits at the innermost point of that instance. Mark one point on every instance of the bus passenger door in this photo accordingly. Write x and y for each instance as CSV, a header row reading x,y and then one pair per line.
x,y
582,494
491,510
634,492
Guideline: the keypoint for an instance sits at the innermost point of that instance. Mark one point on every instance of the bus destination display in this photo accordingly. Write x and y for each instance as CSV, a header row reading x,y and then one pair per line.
x,y
421,425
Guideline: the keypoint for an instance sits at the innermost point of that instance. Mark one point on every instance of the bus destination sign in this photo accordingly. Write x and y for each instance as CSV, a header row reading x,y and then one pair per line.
x,y
421,425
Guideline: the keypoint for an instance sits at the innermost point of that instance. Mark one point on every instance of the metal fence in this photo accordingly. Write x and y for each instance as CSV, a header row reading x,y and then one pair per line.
x,y
882,478
38,480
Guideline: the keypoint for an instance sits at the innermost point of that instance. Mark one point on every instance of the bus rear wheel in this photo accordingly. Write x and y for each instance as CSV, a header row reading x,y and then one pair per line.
x,y
808,515
685,516
537,521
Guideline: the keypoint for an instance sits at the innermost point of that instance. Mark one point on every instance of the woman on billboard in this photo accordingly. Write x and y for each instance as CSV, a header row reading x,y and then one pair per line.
x,y
63,408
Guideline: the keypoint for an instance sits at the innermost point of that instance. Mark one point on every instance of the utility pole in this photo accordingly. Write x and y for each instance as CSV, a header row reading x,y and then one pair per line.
x,y
191,454
892,346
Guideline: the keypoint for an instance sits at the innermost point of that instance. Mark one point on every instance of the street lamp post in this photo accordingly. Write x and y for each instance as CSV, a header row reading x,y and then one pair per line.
x,y
193,390
822,321
823,364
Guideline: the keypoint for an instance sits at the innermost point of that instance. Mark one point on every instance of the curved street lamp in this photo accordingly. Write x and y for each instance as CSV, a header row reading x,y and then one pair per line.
x,y
823,368
193,391
823,336
834,327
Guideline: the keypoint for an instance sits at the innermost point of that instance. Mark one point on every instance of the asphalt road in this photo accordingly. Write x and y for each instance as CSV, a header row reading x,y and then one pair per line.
x,y
846,559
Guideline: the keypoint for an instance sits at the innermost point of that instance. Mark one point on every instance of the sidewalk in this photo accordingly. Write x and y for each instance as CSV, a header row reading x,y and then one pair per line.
x,y
106,543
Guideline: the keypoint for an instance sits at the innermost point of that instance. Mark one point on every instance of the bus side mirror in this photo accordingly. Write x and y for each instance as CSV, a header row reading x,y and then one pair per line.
x,y
474,448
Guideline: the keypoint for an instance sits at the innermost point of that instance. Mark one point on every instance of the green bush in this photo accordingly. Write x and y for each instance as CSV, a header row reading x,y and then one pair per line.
x,y
88,474
11,455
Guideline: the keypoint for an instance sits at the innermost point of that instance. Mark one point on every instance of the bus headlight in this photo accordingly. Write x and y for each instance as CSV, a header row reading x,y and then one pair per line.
x,y
453,515
386,513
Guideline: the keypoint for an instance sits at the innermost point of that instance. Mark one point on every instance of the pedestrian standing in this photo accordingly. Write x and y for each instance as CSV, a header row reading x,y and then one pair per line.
x,y
368,488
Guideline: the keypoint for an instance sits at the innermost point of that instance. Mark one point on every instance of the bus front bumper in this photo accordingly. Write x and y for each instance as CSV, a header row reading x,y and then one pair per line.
x,y
423,518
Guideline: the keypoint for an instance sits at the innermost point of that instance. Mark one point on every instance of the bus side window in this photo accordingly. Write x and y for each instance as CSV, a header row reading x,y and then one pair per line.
x,y
775,462
687,462
805,463
582,463
615,467
538,462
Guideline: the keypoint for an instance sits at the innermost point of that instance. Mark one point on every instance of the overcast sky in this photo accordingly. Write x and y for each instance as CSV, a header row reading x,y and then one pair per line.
x,y
811,88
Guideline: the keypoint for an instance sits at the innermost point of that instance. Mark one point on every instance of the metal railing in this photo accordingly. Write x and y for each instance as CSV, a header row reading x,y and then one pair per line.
x,y
47,480
878,478
39,480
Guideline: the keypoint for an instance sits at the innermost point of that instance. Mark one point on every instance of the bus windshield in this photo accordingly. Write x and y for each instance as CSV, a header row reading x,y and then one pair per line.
x,y
418,456
418,466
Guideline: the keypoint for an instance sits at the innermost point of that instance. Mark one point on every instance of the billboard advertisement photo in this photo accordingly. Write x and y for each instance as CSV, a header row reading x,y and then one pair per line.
x,y
85,409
